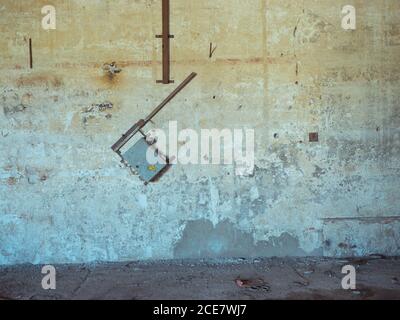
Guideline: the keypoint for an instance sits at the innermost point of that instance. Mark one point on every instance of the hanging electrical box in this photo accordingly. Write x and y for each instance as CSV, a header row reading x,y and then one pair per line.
x,y
135,157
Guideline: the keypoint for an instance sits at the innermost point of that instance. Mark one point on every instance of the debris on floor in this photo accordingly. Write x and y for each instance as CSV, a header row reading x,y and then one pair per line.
x,y
230,279
304,282
307,272
253,284
329,273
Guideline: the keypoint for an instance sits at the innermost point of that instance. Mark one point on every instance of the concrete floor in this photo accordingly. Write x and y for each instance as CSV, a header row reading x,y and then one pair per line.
x,y
306,278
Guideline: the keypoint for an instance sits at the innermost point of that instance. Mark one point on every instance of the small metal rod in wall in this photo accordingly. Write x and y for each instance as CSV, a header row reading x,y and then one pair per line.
x,y
165,43
141,123
30,54
212,50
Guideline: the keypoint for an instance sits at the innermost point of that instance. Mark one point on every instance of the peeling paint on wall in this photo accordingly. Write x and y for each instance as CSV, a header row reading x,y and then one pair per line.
x,y
201,239
65,197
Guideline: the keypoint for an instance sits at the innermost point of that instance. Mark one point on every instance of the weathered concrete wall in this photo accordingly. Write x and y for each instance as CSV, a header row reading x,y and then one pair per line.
x,y
284,68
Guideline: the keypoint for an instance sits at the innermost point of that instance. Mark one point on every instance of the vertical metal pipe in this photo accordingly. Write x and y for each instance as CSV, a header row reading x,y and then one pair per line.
x,y
166,46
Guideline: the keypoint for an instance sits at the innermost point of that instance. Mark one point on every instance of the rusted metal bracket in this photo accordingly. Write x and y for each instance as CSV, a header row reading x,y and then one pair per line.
x,y
165,43
141,123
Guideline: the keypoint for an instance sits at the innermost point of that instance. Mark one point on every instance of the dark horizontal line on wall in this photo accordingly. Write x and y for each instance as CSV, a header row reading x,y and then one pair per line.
x,y
152,62
385,219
